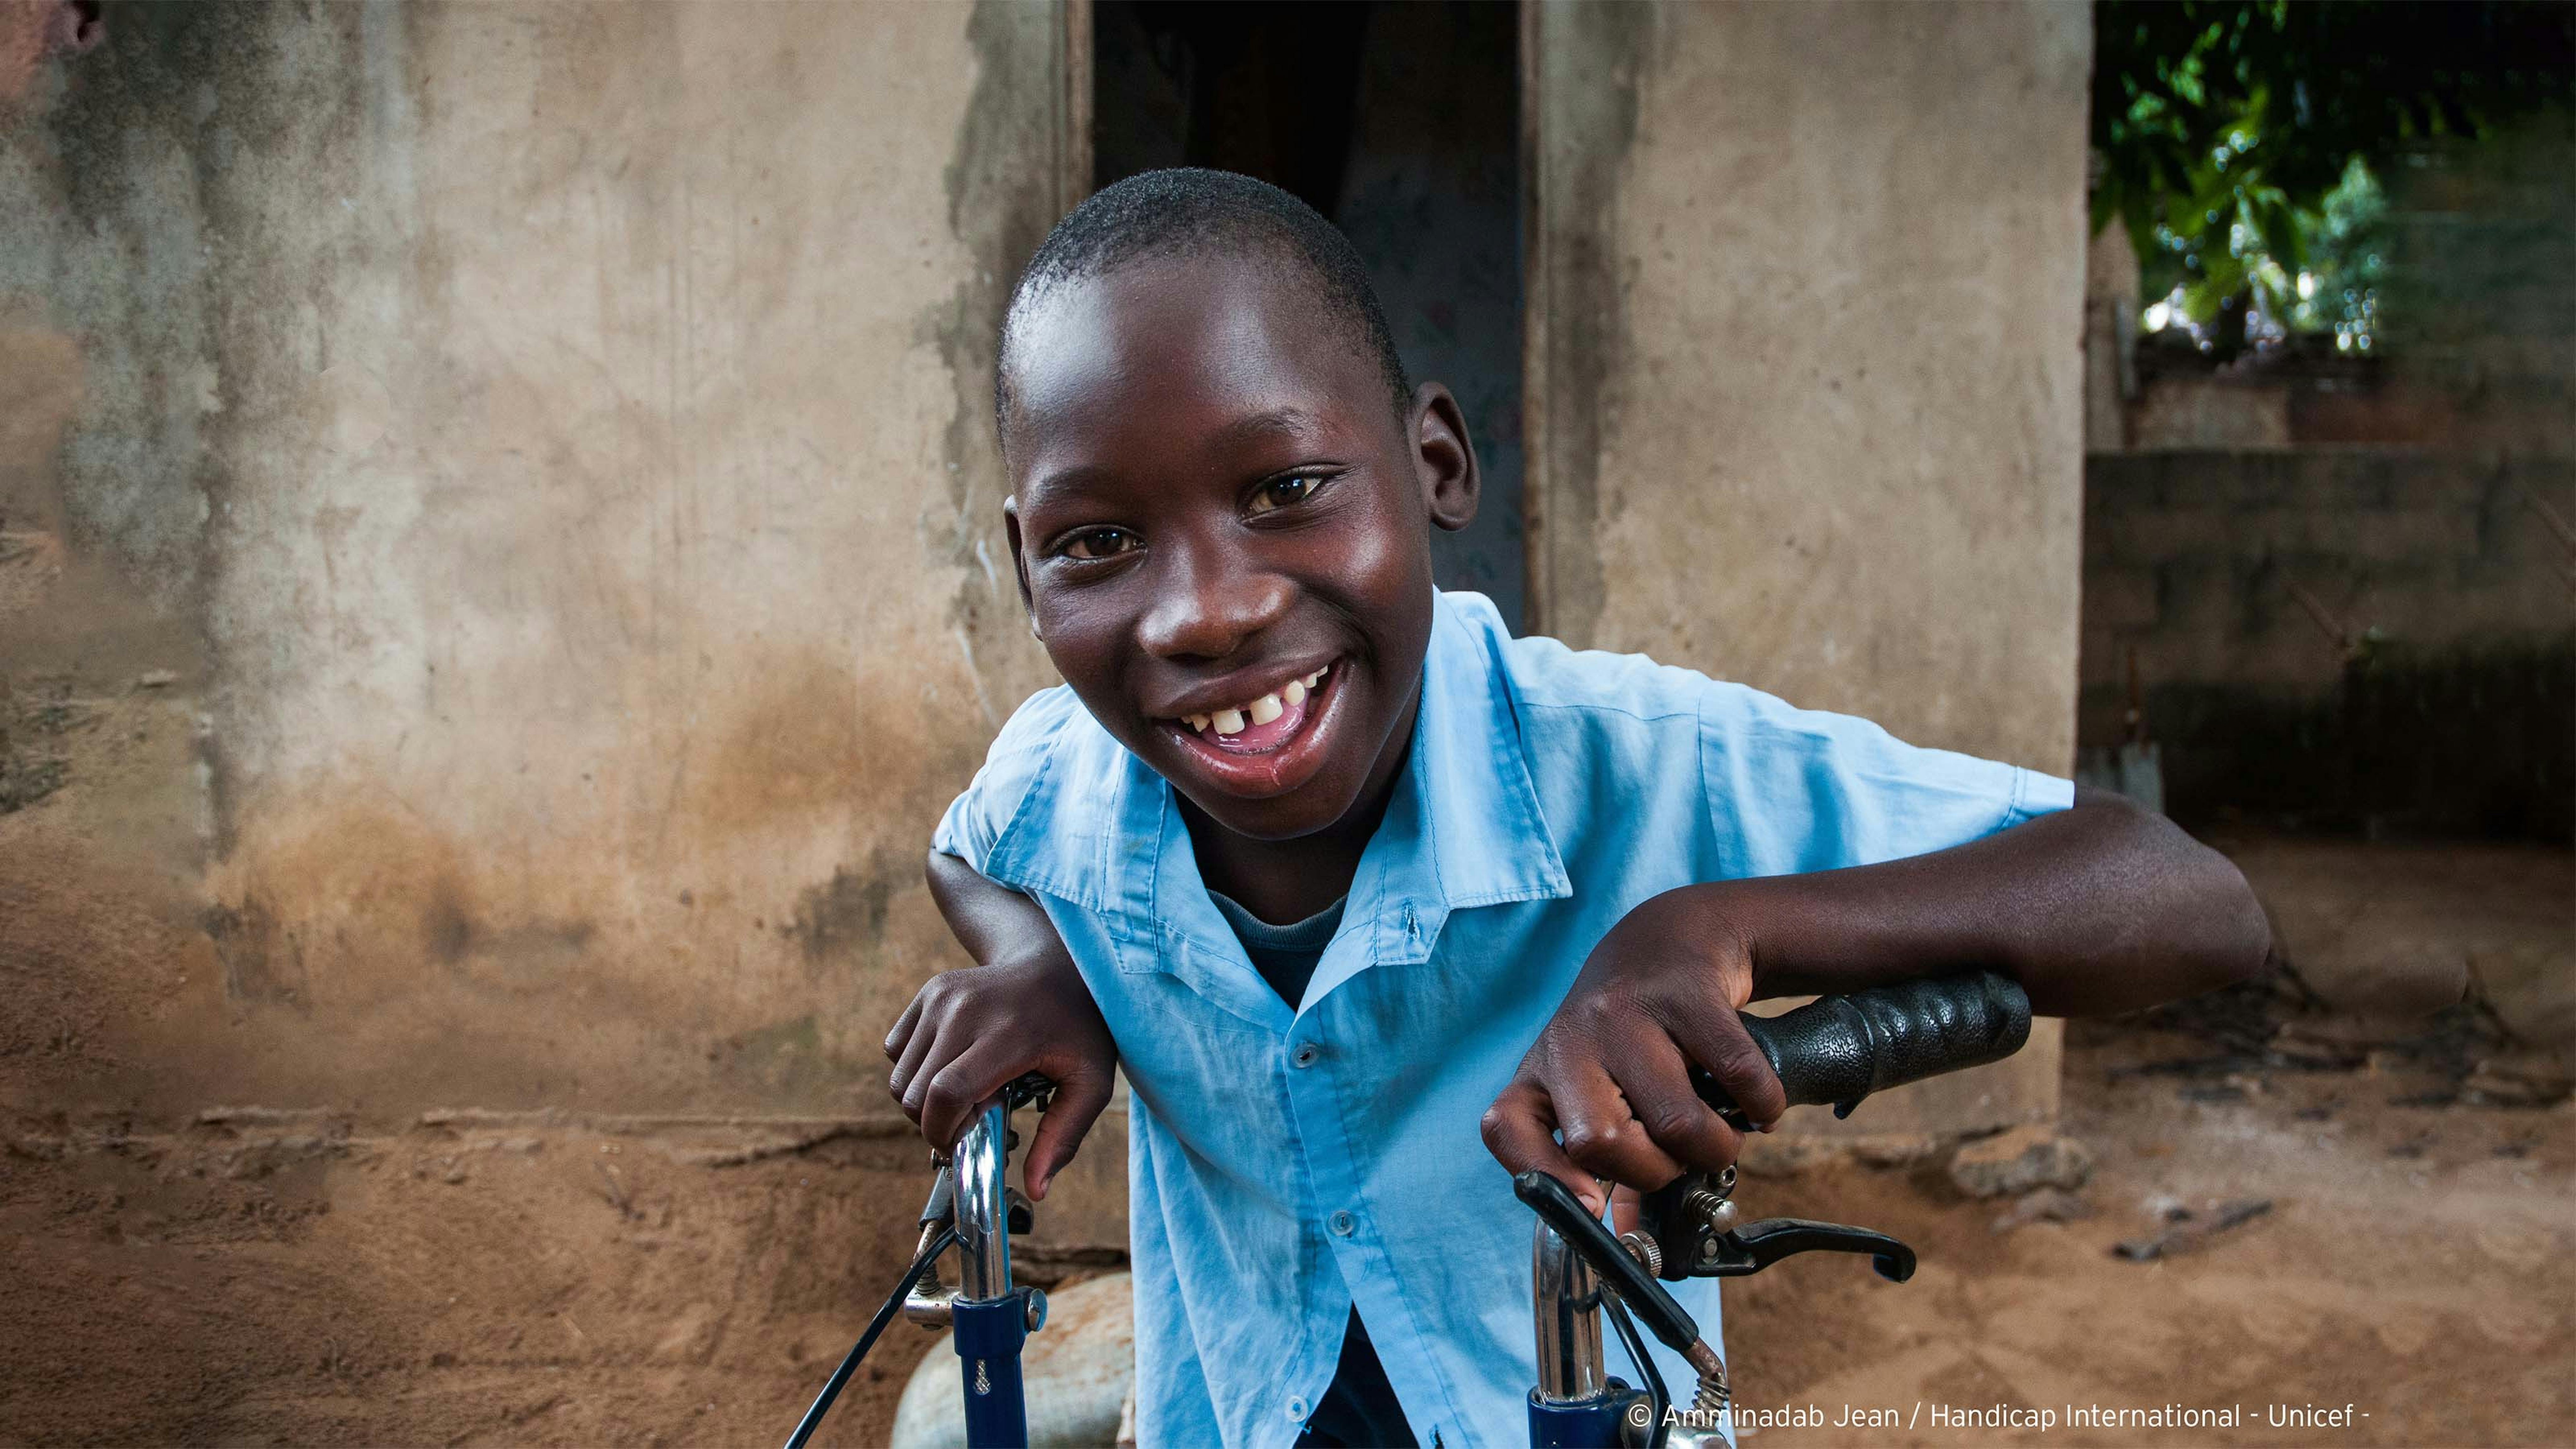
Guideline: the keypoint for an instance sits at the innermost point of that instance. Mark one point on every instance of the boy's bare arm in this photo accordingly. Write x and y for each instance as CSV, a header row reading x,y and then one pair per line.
x,y
1021,1008
2102,908
2096,910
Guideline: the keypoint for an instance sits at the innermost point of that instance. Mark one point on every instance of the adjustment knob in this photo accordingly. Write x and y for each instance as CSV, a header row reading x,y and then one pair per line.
x,y
1643,1249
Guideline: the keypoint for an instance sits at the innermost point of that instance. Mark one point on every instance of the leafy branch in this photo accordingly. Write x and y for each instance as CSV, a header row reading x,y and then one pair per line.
x,y
2237,137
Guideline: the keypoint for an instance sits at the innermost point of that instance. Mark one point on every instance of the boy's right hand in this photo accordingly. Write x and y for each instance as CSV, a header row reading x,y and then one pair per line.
x,y
970,1032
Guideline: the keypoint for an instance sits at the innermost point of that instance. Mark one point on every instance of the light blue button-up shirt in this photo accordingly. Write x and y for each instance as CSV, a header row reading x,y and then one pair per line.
x,y
1285,1164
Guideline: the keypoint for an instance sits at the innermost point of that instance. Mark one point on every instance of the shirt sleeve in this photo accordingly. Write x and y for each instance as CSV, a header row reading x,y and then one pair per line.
x,y
1792,790
976,819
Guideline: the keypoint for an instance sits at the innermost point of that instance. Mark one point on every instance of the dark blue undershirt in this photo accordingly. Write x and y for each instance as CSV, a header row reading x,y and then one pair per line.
x,y
1360,1408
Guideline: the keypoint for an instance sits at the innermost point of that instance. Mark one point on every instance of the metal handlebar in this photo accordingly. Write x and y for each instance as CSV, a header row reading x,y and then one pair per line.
x,y
972,1206
984,1208
1565,1298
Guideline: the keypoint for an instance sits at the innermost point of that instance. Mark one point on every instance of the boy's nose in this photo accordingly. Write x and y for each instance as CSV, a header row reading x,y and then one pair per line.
x,y
1207,610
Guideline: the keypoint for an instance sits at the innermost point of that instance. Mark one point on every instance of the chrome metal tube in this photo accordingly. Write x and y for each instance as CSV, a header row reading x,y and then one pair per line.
x,y
1565,1298
983,1211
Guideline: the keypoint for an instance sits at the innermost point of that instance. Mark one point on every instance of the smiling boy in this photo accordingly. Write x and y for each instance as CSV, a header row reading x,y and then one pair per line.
x,y
1377,904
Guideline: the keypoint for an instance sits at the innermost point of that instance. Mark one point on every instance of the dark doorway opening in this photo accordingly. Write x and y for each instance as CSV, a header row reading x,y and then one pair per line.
x,y
1401,122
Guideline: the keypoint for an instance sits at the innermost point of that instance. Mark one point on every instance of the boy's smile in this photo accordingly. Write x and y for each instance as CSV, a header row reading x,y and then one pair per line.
x,y
1262,730
1220,521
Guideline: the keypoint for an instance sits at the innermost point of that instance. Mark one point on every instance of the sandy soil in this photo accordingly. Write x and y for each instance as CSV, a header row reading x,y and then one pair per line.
x,y
285,1280
265,1283
2418,1262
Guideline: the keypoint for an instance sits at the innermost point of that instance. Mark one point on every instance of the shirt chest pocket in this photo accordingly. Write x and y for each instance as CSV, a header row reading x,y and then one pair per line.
x,y
1188,1026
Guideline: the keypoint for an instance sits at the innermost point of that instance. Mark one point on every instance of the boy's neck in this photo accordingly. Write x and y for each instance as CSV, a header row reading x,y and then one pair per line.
x,y
1285,881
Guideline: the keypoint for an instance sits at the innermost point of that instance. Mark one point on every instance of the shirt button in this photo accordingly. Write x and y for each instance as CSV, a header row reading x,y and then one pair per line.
x,y
1305,1054
1343,1224
1297,1409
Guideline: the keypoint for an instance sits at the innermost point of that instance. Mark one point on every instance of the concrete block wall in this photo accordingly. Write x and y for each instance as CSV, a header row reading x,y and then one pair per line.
x,y
2480,300
2191,557
2248,584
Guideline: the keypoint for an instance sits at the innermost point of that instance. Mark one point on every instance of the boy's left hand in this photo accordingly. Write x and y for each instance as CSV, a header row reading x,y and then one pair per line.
x,y
1611,1072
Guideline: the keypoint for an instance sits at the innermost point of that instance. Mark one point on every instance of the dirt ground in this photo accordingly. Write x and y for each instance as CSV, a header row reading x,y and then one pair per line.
x,y
2417,1262
2418,1256
263,1279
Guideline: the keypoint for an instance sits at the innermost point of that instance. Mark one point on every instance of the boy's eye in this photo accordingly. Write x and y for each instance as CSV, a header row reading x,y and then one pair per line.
x,y
1279,493
1099,543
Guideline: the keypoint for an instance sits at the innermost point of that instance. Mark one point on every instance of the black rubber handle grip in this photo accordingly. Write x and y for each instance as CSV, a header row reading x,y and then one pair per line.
x,y
1838,1049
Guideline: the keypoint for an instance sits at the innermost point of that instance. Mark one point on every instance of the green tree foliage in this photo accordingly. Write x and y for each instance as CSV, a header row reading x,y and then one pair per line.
x,y
2236,136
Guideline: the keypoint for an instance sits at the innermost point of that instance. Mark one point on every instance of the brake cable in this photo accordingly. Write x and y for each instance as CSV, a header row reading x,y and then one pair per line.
x,y
931,1248
1658,1399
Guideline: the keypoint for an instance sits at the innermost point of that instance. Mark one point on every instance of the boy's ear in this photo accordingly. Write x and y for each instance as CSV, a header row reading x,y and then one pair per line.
x,y
1020,563
1443,458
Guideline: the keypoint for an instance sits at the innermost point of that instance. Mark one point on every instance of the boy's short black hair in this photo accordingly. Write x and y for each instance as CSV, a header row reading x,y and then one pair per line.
x,y
1189,211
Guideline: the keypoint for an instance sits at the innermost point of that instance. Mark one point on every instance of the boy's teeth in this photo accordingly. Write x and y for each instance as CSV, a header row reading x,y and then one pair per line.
x,y
1261,711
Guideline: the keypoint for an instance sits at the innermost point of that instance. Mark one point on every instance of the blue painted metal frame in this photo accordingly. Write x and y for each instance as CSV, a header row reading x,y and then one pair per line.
x,y
1592,1423
989,1335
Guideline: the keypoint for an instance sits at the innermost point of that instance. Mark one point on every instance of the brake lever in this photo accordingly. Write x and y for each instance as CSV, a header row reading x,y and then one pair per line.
x,y
1691,1221
1756,1246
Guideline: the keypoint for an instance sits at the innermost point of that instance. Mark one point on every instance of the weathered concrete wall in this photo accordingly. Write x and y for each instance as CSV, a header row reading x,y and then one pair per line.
x,y
550,448
1806,367
498,574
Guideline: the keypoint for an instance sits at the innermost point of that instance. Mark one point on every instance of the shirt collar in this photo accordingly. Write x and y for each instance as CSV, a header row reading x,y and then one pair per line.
x,y
1464,829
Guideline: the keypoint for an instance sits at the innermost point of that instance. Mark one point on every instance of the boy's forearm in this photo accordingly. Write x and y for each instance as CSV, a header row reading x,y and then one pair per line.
x,y
993,922
2102,908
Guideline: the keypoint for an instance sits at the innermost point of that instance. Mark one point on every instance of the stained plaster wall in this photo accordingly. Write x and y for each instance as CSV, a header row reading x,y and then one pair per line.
x,y
500,566
1806,371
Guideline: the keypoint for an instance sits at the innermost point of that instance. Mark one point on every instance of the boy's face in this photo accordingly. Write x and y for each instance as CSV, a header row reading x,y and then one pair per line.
x,y
1214,502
